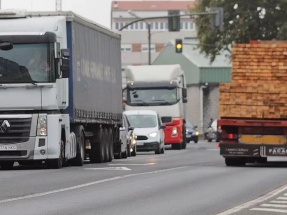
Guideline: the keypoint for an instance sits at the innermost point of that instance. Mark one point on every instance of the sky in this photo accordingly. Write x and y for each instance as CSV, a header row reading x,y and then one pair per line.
x,y
98,11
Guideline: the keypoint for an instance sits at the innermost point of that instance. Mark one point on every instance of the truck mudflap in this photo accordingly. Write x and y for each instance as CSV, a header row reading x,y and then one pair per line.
x,y
227,150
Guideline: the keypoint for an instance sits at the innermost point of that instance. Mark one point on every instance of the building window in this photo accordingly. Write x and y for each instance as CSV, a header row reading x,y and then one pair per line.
x,y
166,25
144,47
186,25
131,26
156,25
116,25
192,26
126,47
136,25
161,26
122,24
181,25
141,26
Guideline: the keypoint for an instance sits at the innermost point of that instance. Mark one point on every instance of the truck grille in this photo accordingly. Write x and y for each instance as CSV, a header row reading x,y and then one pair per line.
x,y
142,138
15,130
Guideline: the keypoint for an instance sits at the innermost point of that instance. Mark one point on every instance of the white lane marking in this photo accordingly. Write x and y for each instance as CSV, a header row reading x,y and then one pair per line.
x,y
87,185
132,164
255,201
279,202
274,205
269,210
282,198
109,168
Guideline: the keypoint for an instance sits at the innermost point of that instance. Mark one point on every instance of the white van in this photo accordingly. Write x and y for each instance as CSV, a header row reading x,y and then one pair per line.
x,y
148,128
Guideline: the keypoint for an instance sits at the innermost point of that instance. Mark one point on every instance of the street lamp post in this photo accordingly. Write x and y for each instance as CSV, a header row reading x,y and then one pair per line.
x,y
149,36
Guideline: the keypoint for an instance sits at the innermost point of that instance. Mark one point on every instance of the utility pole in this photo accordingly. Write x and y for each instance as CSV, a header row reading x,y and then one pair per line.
x,y
149,36
58,5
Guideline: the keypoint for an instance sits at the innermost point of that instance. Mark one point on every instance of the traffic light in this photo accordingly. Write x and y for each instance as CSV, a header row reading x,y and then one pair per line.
x,y
174,21
178,45
217,19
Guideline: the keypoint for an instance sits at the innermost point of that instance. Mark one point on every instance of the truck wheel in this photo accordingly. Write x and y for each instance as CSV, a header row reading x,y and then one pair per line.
x,y
235,162
106,145
80,137
183,144
111,144
7,165
100,148
58,163
134,152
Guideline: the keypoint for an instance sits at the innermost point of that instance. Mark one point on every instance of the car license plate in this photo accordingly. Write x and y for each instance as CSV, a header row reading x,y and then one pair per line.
x,y
139,143
8,147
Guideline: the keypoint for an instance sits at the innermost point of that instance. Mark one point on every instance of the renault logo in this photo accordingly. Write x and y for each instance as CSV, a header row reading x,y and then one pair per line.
x,y
5,126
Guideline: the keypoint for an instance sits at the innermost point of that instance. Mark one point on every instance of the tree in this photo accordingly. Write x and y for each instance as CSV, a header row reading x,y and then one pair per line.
x,y
244,20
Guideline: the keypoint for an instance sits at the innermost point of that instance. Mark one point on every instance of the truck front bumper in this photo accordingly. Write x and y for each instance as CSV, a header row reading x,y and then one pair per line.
x,y
34,149
242,150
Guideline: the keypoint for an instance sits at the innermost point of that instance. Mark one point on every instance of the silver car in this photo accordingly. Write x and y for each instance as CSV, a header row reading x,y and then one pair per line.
x,y
148,129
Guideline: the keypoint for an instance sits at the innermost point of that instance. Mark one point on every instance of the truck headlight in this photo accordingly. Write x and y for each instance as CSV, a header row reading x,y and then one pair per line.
x,y
42,126
197,133
153,134
174,131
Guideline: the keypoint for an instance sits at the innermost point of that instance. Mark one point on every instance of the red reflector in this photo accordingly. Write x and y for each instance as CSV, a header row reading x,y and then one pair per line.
x,y
230,136
218,145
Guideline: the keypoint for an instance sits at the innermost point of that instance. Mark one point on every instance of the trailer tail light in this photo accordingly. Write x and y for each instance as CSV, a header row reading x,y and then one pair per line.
x,y
231,136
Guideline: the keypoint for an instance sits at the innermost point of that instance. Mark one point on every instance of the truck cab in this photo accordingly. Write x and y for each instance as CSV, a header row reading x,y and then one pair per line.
x,y
161,88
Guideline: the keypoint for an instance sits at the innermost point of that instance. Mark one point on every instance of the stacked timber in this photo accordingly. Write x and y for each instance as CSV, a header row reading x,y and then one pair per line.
x,y
259,82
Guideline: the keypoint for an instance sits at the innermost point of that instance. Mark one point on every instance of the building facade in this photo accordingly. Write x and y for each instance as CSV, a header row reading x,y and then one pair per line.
x,y
135,37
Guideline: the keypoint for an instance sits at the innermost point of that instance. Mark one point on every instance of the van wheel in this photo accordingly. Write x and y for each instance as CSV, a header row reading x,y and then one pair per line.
x,y
58,163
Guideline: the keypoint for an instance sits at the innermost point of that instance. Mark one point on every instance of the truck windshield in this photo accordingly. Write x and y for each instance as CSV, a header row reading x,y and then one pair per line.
x,y
142,121
152,97
27,63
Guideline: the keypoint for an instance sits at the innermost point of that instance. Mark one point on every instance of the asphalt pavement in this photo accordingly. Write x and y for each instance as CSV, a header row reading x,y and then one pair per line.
x,y
194,181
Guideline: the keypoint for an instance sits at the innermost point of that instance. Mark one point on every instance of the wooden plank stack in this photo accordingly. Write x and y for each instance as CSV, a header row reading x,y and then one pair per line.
x,y
259,82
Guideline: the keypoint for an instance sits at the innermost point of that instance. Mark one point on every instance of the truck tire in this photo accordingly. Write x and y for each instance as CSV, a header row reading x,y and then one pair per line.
x,y
100,148
111,144
106,145
7,165
80,137
58,163
235,162
183,138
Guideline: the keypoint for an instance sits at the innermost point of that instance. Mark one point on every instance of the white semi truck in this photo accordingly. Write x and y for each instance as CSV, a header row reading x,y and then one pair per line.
x,y
161,88
60,89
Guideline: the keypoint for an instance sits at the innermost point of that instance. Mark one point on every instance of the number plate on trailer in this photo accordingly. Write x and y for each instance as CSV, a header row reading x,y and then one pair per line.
x,y
8,147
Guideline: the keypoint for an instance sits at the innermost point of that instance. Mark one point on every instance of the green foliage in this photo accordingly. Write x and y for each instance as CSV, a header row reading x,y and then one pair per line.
x,y
250,20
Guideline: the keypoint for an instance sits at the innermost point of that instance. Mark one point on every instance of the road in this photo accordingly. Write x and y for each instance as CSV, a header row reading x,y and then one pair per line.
x,y
194,181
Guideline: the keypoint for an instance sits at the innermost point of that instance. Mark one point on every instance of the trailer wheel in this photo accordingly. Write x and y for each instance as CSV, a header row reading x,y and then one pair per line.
x,y
235,162
106,145
7,165
111,144
80,138
97,154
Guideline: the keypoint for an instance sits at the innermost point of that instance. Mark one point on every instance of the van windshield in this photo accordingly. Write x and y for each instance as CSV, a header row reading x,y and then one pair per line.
x,y
142,121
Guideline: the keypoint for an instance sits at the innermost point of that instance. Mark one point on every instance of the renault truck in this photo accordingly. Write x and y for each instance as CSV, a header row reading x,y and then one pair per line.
x,y
161,88
60,89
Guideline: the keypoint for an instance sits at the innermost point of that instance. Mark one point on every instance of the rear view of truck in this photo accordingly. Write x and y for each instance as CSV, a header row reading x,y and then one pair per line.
x,y
253,108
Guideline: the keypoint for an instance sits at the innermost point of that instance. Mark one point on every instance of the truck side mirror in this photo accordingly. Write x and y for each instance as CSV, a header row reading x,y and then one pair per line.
x,y
65,53
184,92
184,100
65,68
